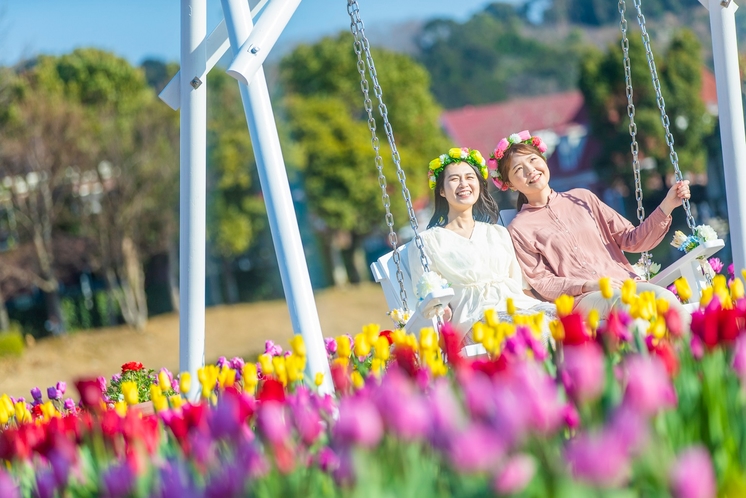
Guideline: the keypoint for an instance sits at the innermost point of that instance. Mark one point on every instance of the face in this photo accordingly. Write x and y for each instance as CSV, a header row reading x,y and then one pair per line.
x,y
528,173
460,185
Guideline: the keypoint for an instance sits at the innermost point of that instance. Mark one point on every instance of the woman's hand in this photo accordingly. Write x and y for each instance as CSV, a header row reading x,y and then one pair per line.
x,y
593,285
675,196
447,314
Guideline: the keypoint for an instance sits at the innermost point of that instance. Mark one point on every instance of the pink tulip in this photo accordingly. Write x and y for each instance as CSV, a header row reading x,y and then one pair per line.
x,y
359,422
649,388
598,459
584,366
272,422
692,475
739,357
515,474
477,449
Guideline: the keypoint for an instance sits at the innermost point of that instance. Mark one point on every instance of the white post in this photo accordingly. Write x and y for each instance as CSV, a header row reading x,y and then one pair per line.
x,y
192,204
274,182
730,110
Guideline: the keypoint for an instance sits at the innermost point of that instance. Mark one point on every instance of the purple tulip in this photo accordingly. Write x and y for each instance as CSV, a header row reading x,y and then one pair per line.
x,y
175,482
61,464
359,422
307,422
476,449
226,481
403,409
697,347
118,480
252,459
331,345
649,388
692,475
584,369
328,460
116,378
446,414
475,385
272,422
46,485
36,394
571,416
515,474
739,357
53,394
598,459
62,388
7,487
272,349
69,404
224,420
542,404
222,362
102,383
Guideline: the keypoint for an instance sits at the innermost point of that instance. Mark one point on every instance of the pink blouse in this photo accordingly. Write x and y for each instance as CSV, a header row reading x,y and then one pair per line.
x,y
576,238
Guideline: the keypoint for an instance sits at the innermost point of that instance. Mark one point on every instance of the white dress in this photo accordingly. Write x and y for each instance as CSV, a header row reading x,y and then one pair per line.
x,y
482,270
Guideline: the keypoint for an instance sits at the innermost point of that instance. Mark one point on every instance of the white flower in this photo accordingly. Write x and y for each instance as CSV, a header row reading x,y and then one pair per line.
x,y
514,138
443,158
639,269
464,154
400,317
655,268
678,238
429,282
706,233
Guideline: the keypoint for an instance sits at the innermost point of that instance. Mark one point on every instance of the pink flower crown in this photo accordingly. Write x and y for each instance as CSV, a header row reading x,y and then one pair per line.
x,y
523,137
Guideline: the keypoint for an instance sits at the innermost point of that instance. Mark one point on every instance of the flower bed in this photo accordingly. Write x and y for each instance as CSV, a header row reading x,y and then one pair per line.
x,y
634,405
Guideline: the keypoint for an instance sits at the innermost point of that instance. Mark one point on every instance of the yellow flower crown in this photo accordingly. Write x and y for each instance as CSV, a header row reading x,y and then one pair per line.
x,y
456,155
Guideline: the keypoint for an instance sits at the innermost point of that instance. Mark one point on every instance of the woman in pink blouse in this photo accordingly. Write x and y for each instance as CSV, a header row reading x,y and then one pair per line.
x,y
566,241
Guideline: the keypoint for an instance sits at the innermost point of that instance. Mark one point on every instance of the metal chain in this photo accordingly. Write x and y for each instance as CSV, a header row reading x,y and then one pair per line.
x,y
662,108
646,258
363,45
385,199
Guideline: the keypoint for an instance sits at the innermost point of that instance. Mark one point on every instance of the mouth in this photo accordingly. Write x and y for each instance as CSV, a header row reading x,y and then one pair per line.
x,y
534,178
463,193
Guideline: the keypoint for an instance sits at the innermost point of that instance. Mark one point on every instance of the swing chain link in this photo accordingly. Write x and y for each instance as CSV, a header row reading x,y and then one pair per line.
x,y
362,46
673,156
634,147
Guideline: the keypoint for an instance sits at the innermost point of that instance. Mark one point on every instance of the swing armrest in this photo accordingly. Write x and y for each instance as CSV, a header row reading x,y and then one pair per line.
x,y
681,266
429,305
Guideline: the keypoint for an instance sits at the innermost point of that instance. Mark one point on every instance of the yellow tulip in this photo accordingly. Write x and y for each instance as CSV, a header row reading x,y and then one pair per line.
x,y
155,392
683,289
265,362
706,296
557,330
719,282
478,333
160,403
129,391
604,285
736,289
250,376
318,379
398,336
629,287
383,350
185,382
490,344
227,377
4,415
428,339
121,408
163,381
662,306
564,304
176,402
510,306
357,379
658,329
376,367
344,348
593,319
298,345
343,362
647,305
371,332
490,316
278,363
362,346
8,403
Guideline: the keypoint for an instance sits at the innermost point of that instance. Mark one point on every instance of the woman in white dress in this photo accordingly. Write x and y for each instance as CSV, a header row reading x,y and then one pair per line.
x,y
466,247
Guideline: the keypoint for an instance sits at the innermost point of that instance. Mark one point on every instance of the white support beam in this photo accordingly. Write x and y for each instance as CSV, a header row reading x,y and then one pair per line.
x,y
249,59
276,189
192,197
217,45
730,113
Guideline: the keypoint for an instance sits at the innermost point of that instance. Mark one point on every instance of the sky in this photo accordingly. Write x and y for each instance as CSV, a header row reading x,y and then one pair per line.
x,y
140,29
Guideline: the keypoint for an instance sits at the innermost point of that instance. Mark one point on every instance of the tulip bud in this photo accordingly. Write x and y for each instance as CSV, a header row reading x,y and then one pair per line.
x,y
164,383
510,306
683,289
629,287
736,289
185,382
564,304
318,379
604,285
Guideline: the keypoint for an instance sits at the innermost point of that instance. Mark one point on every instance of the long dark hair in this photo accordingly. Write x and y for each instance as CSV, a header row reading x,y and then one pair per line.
x,y
503,166
485,209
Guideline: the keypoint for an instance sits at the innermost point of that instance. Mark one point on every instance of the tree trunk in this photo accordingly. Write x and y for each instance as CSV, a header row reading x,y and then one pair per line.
x,y
135,277
354,259
56,323
4,319
339,272
231,285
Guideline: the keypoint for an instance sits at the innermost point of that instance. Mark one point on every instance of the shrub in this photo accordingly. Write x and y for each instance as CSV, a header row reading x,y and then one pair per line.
x,y
11,342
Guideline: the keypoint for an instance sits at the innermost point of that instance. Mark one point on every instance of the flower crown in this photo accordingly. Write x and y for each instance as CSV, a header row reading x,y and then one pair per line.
x,y
456,155
523,137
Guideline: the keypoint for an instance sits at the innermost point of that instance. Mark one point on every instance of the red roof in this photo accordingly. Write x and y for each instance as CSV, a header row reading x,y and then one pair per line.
x,y
709,91
482,127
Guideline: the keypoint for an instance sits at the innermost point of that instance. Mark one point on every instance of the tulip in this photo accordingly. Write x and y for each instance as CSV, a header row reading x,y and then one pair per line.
x,y
36,394
344,346
682,289
118,481
564,305
604,285
250,377
362,346
515,475
477,449
359,423
593,319
692,475
61,387
629,287
739,357
265,363
185,382
164,383
584,366
272,349
371,332
318,379
736,289
297,345
130,392
331,345
510,306
598,459
649,388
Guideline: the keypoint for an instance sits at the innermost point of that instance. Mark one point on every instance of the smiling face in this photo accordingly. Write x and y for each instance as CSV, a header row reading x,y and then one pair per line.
x,y
528,173
460,185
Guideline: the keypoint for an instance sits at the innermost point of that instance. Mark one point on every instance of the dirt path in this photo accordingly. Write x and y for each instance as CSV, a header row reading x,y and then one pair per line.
x,y
238,330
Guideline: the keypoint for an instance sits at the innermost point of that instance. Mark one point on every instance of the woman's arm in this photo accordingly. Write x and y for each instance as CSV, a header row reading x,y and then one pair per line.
x,y
539,275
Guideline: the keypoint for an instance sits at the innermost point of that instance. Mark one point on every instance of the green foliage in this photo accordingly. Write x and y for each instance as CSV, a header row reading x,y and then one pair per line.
x,y
494,56
326,117
11,341
603,86
600,12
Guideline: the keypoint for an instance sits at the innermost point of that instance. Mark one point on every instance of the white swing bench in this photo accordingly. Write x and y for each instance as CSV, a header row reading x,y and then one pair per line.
x,y
688,266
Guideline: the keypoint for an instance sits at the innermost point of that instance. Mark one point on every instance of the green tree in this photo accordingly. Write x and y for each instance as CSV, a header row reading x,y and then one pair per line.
x,y
603,86
326,118
600,12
